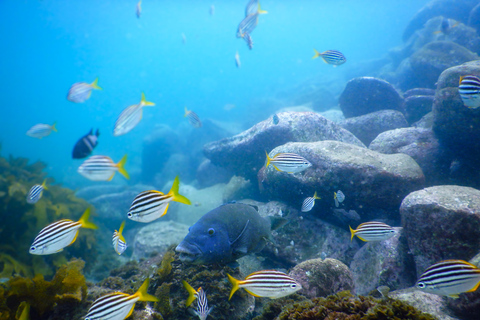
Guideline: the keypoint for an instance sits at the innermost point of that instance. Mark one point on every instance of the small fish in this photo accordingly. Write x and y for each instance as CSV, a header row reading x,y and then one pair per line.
x,y
118,241
102,168
85,145
139,9
237,60
373,231
449,278
193,118
36,192
81,91
252,7
41,130
275,119
339,197
309,202
202,310
118,305
130,117
446,25
247,25
323,256
248,40
288,162
384,291
268,283
469,89
151,205
333,57
212,10
58,235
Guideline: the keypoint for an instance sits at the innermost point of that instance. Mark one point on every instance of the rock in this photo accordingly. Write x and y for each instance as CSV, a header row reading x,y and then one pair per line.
x,y
237,189
467,306
416,106
91,192
244,154
156,237
419,92
441,222
209,174
371,181
366,94
369,126
383,263
420,144
321,278
474,18
426,122
431,60
451,76
334,115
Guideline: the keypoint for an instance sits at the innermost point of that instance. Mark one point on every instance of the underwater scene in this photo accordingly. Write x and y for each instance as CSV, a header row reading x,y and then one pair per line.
x,y
240,160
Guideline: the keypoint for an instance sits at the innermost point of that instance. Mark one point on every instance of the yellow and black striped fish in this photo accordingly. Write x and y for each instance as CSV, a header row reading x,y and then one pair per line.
x,y
373,231
81,91
288,162
36,192
332,57
130,117
192,118
118,241
469,90
309,202
102,168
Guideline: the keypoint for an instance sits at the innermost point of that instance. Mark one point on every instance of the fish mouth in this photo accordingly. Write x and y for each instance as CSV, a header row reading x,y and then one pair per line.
x,y
188,252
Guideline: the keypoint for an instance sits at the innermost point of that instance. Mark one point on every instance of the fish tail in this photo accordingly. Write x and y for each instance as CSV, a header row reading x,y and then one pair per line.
x,y
260,11
44,184
144,101
268,159
316,55
316,197
94,84
142,292
121,228
121,168
460,81
84,220
235,283
192,294
54,126
186,112
352,232
174,192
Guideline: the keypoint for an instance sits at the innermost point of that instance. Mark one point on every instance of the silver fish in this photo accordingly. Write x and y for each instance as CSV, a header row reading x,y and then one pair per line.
x,y
251,8
247,25
288,162
469,89
36,192
118,241
81,91
193,118
248,40
332,57
373,231
130,117
237,60
202,310
339,197
309,202
41,130
102,168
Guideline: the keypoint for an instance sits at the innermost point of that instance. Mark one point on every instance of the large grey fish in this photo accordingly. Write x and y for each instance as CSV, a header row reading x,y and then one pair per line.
x,y
226,234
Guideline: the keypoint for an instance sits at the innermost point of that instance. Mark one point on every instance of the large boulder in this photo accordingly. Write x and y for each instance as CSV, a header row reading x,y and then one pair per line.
x,y
244,154
442,222
416,106
369,180
451,76
366,94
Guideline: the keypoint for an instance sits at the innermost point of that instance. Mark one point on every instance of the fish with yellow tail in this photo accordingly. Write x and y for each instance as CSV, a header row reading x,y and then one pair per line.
x,y
118,241
118,305
81,91
58,235
373,231
332,57
248,24
309,202
102,168
469,90
36,192
130,117
450,278
152,204
338,197
288,162
193,118
202,310
41,130
267,283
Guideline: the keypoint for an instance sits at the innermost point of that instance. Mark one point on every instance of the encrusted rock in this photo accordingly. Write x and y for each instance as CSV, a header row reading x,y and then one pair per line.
x,y
451,76
416,106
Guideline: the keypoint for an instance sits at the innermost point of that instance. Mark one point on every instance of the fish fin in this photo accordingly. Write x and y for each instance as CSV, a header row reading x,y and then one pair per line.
x,y
316,197
74,239
474,288
84,220
352,232
260,11
111,177
186,112
165,211
94,84
235,283
460,81
192,294
279,169
121,168
240,235
316,55
146,103
174,192
362,239
130,312
277,222
60,250
54,128
324,60
44,184
253,294
268,159
142,292
454,296
121,230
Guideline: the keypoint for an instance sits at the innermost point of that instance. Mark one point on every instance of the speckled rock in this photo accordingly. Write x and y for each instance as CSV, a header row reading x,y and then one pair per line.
x,y
383,263
320,278
366,94
244,154
451,76
370,180
442,222
369,126
416,106
420,144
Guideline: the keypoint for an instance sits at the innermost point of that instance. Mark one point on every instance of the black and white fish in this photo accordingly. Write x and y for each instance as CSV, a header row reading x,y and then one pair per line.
x,y
202,310
41,130
193,118
339,197
102,168
373,231
130,117
118,241
309,202
81,91
288,162
85,145
36,192
469,89
332,57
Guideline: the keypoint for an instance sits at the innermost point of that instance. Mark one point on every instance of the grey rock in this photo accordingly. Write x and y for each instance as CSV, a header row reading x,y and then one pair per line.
x,y
209,174
383,263
369,126
369,180
426,122
474,18
451,76
467,306
419,92
366,94
91,192
334,115
416,106
321,278
244,154
442,222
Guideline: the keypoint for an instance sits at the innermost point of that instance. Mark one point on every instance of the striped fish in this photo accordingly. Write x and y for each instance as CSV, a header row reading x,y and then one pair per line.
x,y
193,118
151,205
288,162
450,278
36,192
268,283
339,197
373,231
58,235
130,117
118,305
202,310
41,130
309,202
81,91
102,168
469,89
118,241
238,63
248,40
333,57
253,6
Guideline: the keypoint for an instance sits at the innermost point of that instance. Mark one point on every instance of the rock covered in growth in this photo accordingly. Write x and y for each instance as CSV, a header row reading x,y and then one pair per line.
x,y
416,106
320,278
244,154
442,222
383,263
366,94
369,180
369,126
451,76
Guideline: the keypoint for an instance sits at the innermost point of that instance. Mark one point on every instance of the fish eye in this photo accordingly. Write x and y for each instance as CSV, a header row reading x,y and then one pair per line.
x,y
129,214
211,231
392,231
33,248
293,285
421,285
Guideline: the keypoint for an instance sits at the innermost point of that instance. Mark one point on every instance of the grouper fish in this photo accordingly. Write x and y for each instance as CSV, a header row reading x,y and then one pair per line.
x,y
226,234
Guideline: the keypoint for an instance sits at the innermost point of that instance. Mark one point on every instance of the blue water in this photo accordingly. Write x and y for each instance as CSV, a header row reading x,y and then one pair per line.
x,y
49,45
